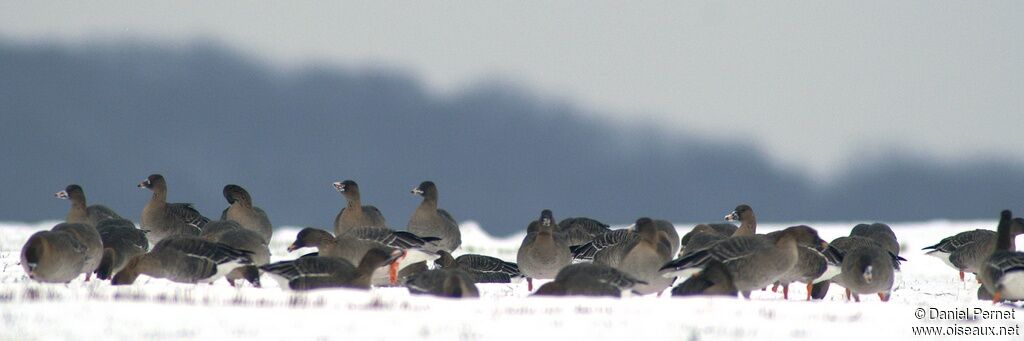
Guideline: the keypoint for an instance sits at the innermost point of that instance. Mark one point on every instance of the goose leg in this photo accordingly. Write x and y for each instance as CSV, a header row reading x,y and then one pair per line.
x,y
746,294
393,269
961,276
848,295
998,296
529,284
88,275
785,291
810,287
856,298
775,287
884,296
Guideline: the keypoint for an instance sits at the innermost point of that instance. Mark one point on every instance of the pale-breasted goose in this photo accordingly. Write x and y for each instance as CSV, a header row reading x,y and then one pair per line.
x,y
162,219
1002,274
641,256
184,259
80,211
543,251
315,272
355,214
753,261
62,253
480,268
241,210
430,221
121,242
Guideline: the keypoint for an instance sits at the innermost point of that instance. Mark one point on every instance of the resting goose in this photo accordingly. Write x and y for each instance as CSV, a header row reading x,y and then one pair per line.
x,y
184,259
581,230
162,219
641,256
1002,274
355,214
430,221
232,233
589,279
480,268
241,210
544,251
315,272
82,213
353,245
453,283
121,242
62,253
753,261
713,280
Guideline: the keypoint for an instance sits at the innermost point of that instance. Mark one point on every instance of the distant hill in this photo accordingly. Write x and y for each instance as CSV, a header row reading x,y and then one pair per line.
x,y
107,116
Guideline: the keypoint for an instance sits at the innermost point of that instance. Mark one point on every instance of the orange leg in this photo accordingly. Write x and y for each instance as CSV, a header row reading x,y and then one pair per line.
x,y
775,287
529,284
785,291
810,286
884,297
998,296
961,276
393,269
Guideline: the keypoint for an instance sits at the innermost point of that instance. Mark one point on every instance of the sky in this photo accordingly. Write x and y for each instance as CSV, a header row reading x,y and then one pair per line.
x,y
817,86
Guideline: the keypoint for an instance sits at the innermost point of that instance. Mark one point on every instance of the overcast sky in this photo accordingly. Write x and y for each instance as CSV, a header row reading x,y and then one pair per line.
x,y
817,86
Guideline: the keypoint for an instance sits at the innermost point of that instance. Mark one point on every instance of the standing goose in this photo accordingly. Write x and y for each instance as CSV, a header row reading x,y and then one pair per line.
x,y
82,213
867,269
430,221
641,256
315,272
232,234
242,211
353,245
1002,274
453,283
62,253
748,221
480,268
121,242
811,266
581,230
184,259
965,251
355,214
753,261
162,219
544,251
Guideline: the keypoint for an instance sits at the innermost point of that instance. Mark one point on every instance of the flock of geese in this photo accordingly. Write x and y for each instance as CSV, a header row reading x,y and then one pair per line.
x,y
580,256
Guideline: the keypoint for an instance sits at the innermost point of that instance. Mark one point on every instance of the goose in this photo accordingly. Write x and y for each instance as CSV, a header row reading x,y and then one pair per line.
x,y
753,261
703,236
231,233
82,213
162,219
447,282
430,221
316,272
581,230
62,253
355,214
641,256
838,249
353,245
867,269
184,259
966,251
121,242
586,252
588,279
480,268
1002,274
670,232
543,251
713,280
880,233
748,221
241,210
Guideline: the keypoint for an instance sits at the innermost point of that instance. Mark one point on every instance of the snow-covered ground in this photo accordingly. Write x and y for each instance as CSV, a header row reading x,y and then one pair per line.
x,y
159,309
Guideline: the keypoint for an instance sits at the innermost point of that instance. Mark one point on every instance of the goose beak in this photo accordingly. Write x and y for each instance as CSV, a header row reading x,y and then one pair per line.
x,y
61,195
732,216
144,184
339,186
293,247
417,191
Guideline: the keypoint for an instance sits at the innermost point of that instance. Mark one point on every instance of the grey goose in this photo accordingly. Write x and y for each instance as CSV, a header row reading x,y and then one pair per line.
x,y
316,272
121,241
62,253
430,221
480,268
543,251
80,211
184,259
355,214
231,233
242,211
1002,274
162,219
641,256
